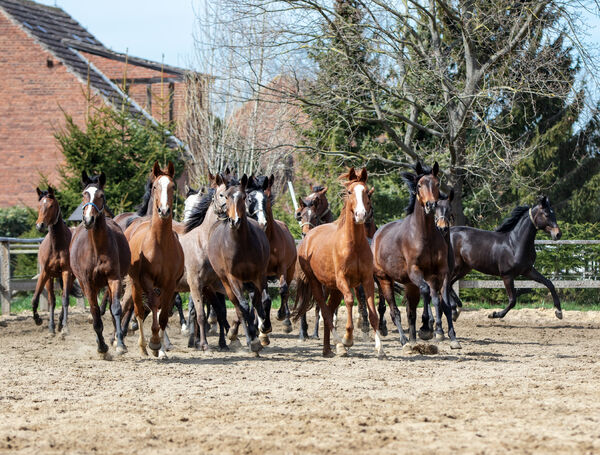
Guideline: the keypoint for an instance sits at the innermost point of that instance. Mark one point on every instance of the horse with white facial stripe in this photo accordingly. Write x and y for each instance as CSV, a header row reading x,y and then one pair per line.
x,y
53,258
156,261
99,257
337,256
282,257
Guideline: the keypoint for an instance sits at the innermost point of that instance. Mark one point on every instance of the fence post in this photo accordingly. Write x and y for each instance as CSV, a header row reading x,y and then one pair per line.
x,y
5,277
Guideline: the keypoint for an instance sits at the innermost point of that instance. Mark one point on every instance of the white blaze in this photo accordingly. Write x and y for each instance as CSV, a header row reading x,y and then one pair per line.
x,y
87,213
163,182
360,212
260,204
235,196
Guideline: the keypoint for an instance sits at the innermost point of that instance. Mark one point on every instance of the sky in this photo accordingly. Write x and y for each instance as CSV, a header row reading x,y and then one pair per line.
x,y
142,28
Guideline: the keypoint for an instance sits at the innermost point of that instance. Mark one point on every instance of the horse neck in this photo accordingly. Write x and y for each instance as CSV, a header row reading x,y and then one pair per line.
x,y
161,228
423,223
58,230
353,233
523,234
270,219
99,234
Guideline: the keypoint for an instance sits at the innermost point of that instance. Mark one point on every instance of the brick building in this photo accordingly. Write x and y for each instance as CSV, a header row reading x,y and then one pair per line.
x,y
49,64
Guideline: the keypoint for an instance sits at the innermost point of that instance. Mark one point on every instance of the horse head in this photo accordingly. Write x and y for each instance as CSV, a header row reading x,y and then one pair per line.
x,y
424,187
48,211
357,195
235,203
443,212
543,217
163,189
259,196
94,201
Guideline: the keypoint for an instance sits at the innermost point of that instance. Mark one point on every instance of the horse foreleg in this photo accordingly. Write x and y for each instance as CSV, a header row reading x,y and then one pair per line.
x,y
196,295
92,297
67,281
363,317
217,305
348,340
412,296
539,278
234,291
39,286
387,288
114,286
51,304
166,304
381,310
262,308
509,284
454,344
178,302
317,319
138,303
426,332
284,293
369,288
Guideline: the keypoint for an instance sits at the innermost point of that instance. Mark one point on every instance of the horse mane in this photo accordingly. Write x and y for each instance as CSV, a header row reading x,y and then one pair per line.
x,y
199,211
317,188
511,221
411,179
129,221
142,209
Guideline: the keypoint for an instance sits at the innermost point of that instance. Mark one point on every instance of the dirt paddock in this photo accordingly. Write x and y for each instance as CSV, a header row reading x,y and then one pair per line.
x,y
526,384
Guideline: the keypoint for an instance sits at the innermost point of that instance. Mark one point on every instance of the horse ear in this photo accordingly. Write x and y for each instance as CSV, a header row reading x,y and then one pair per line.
x,y
301,202
170,169
244,182
265,185
451,195
323,191
156,170
351,175
39,192
227,171
436,169
363,175
271,180
371,191
50,190
85,180
419,168
102,180
218,180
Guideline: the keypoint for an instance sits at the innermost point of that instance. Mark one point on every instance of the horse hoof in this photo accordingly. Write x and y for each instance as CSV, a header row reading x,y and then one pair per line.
x,y
184,330
90,319
558,314
381,354
231,335
383,330
143,351
264,340
425,334
287,326
235,344
212,320
493,315
120,350
162,355
403,340
266,330
454,344
255,345
439,336
154,345
347,342
214,330
328,354
102,348
169,347
280,316
65,331
104,356
154,352
341,350
223,348
37,319
51,331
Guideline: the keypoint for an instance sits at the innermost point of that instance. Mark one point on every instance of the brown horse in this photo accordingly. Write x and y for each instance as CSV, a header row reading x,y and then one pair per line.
x,y
156,260
414,253
282,257
53,258
238,251
99,257
314,210
337,257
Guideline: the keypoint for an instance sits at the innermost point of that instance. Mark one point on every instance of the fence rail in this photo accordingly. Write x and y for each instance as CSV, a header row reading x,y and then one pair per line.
x,y
12,246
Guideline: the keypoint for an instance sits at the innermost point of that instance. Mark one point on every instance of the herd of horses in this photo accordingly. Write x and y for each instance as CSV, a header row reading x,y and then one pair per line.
x,y
229,245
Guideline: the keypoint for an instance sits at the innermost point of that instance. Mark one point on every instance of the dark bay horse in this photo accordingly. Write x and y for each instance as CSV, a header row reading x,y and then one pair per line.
x,y
337,257
282,257
509,251
414,253
53,258
99,256
238,251
157,261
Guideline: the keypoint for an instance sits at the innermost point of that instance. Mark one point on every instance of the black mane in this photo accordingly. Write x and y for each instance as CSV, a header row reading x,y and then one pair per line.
x,y
199,211
142,209
509,223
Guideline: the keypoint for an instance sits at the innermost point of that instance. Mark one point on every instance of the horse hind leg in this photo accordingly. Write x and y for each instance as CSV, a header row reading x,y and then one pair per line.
x,y
363,316
369,288
178,302
41,283
217,302
387,289
284,293
509,284
426,332
381,310
67,282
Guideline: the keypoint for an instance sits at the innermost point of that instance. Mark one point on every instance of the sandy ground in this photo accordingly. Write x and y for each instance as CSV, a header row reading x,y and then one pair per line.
x,y
526,384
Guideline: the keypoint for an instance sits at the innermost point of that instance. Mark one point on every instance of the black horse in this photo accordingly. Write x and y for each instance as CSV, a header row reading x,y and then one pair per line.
x,y
508,252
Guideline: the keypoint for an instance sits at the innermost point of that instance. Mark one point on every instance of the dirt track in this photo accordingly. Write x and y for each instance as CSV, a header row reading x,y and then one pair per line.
x,y
526,384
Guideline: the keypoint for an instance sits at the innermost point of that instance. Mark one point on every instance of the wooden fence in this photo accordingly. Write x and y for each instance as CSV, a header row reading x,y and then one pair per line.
x,y
12,246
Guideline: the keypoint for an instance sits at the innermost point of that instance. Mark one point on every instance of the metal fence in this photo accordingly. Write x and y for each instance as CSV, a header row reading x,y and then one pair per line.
x,y
10,246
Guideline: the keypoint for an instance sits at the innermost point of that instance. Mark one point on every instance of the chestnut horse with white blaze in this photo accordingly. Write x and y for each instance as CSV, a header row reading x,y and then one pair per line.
x,y
99,256
53,258
337,256
156,261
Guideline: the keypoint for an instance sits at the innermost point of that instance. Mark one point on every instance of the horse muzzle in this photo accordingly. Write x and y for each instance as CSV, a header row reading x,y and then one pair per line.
x,y
41,227
360,217
430,207
235,224
88,223
555,233
164,212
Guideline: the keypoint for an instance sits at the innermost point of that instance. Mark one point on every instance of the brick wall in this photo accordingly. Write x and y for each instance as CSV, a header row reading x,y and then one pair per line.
x,y
114,69
31,97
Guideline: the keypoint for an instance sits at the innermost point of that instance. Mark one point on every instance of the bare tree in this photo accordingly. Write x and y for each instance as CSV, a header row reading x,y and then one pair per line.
x,y
444,71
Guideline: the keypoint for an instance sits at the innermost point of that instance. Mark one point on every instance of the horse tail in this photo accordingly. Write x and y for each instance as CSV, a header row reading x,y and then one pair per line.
x,y
303,301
